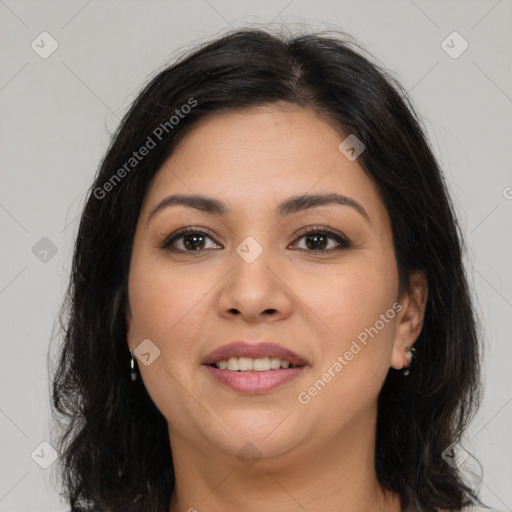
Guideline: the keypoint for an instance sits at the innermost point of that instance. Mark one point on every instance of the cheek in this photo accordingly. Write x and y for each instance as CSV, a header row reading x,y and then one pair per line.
x,y
172,306
354,359
356,304
161,297
354,297
167,309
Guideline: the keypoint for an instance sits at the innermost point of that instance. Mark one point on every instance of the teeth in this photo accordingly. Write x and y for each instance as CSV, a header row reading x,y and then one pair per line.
x,y
260,364
245,363
233,364
275,363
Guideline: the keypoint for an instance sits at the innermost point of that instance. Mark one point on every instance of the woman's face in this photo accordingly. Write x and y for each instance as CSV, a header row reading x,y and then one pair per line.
x,y
254,275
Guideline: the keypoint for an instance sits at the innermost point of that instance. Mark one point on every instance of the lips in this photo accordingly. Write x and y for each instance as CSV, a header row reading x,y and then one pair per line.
x,y
254,351
252,382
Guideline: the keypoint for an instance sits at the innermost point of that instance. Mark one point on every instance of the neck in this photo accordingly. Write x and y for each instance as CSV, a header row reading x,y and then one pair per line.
x,y
333,476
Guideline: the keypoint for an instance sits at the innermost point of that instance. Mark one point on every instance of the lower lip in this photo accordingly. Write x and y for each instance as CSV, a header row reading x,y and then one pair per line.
x,y
253,382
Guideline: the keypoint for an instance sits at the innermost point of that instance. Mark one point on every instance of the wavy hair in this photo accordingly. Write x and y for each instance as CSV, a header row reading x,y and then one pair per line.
x,y
114,442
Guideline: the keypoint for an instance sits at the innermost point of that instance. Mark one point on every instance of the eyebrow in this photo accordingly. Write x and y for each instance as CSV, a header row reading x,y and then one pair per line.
x,y
292,205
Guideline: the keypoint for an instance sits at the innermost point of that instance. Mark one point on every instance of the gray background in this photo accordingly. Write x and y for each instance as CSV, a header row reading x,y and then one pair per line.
x,y
57,114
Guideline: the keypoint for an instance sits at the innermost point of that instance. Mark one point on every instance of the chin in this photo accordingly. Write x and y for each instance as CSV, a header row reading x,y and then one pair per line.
x,y
258,436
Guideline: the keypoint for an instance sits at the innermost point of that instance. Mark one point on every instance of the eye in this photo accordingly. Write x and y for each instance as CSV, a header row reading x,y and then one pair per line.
x,y
193,239
318,238
190,239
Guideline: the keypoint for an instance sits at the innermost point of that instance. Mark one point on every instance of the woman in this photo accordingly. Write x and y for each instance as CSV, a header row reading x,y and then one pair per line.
x,y
268,307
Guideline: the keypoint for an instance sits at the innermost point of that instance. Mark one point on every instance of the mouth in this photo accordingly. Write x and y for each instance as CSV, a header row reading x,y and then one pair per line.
x,y
260,364
253,368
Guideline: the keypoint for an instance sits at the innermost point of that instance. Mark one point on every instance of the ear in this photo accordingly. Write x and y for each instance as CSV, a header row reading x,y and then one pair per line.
x,y
409,319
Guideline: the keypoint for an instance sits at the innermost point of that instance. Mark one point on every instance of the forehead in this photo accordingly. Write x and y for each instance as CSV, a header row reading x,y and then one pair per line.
x,y
260,156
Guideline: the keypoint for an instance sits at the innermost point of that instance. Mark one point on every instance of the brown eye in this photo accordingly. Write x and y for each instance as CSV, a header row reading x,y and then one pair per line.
x,y
317,240
187,240
196,239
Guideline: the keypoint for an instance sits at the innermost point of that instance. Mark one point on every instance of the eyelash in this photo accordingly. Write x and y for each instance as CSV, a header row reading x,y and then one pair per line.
x,y
321,230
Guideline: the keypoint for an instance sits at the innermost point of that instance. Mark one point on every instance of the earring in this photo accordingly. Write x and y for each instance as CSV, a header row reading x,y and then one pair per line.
x,y
410,353
133,373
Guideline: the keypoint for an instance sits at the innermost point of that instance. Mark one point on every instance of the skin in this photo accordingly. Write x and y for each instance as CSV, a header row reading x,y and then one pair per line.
x,y
319,455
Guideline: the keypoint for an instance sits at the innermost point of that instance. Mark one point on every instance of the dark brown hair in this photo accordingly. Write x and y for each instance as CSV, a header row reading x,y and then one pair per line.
x,y
115,445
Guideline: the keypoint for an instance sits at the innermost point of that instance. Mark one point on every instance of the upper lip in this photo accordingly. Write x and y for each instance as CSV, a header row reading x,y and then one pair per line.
x,y
254,351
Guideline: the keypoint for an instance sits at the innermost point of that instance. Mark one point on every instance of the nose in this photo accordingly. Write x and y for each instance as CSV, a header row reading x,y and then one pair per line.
x,y
255,291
